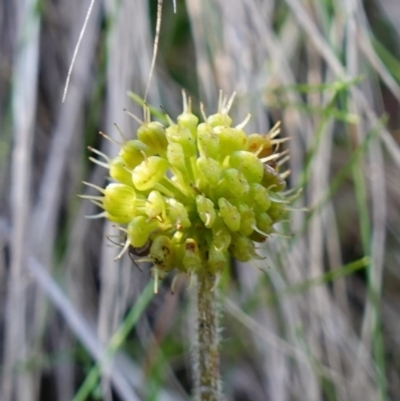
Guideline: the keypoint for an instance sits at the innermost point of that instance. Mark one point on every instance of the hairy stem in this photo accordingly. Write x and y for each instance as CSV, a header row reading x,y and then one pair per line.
x,y
205,350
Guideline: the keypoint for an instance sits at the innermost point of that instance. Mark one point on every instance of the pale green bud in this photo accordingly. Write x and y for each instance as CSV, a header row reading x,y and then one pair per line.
x,y
277,211
229,214
221,235
206,211
259,198
234,182
247,219
210,169
184,137
207,141
162,253
133,153
153,135
178,214
242,248
264,224
188,120
139,230
155,204
219,119
149,172
249,164
176,156
118,171
119,202
231,140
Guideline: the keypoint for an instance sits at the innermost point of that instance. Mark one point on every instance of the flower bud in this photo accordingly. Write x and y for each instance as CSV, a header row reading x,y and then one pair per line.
x,y
242,248
119,202
234,182
264,224
178,214
209,169
207,141
221,235
149,172
176,156
217,260
118,171
162,253
219,119
189,121
133,153
231,140
139,230
206,211
271,179
259,198
249,164
259,144
277,211
229,214
184,137
247,219
155,205
153,135
191,256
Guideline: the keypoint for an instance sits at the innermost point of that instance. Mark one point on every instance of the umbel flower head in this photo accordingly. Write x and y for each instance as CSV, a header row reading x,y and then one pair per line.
x,y
191,195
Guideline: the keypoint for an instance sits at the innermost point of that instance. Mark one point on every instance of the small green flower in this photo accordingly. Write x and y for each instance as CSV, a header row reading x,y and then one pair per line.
x,y
198,194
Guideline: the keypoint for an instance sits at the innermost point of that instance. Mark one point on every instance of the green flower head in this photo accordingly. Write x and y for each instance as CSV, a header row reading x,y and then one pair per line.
x,y
195,194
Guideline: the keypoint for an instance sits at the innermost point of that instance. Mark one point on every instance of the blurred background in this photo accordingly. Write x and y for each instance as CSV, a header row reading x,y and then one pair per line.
x,y
318,319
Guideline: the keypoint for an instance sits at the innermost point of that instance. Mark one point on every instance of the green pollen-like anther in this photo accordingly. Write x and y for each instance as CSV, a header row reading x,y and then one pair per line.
x,y
148,173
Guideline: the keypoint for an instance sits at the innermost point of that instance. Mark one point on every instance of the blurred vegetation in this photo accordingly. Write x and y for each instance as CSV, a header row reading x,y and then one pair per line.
x,y
317,319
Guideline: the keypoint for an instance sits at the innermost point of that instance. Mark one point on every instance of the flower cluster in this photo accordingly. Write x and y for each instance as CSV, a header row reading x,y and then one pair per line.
x,y
189,194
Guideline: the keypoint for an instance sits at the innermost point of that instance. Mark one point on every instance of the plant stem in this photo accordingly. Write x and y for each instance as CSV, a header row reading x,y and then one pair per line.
x,y
205,350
